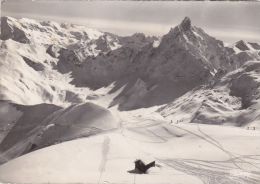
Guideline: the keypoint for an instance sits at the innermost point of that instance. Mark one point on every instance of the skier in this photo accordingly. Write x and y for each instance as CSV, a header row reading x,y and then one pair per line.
x,y
141,167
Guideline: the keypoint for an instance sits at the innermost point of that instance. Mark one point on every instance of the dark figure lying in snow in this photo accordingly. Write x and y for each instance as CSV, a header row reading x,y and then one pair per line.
x,y
141,167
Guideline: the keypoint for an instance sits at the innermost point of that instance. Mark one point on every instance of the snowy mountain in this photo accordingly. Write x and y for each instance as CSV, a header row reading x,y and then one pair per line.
x,y
61,82
233,100
244,51
230,98
183,59
51,50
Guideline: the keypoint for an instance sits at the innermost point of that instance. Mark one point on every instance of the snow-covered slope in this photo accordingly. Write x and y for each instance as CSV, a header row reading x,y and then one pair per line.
x,y
233,99
29,51
27,77
46,32
184,154
36,55
45,124
244,51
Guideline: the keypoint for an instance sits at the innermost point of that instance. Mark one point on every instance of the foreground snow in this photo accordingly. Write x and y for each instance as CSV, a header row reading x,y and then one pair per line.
x,y
186,154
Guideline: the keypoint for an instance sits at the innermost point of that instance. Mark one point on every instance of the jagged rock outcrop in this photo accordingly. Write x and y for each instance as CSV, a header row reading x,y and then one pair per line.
x,y
10,31
34,65
242,45
53,51
185,24
245,84
256,46
242,51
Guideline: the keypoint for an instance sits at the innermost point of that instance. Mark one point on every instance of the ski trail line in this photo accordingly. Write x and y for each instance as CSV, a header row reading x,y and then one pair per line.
x,y
105,150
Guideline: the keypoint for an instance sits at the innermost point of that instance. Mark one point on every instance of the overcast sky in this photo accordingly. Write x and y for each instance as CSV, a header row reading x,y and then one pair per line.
x,y
228,21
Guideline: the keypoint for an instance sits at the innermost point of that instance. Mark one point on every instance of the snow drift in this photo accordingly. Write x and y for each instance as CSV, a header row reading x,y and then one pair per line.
x,y
46,124
185,154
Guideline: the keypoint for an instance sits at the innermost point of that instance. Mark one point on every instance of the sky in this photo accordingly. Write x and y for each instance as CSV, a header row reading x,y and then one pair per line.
x,y
228,21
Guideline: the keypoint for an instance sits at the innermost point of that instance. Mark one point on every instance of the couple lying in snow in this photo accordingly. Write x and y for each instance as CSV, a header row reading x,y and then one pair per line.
x,y
141,167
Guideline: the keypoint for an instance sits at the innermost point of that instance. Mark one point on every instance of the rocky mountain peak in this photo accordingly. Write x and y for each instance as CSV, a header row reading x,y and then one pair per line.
x,y
185,24
242,45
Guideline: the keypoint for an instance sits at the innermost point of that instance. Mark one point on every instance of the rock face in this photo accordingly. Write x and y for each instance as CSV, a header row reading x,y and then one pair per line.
x,y
185,24
53,51
246,84
35,66
242,51
256,46
242,45
8,31
232,100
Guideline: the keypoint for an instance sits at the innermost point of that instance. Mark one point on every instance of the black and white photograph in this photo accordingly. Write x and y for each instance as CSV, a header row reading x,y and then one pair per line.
x,y
129,92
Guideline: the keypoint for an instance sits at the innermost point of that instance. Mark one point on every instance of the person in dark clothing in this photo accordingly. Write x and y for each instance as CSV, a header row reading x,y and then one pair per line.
x,y
141,167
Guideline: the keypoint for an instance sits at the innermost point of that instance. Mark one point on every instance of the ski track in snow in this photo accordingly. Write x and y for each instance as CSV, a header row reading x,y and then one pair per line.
x,y
218,145
210,172
105,150
213,172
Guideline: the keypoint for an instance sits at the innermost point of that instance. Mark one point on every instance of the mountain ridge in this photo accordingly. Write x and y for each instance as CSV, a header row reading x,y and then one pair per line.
x,y
185,57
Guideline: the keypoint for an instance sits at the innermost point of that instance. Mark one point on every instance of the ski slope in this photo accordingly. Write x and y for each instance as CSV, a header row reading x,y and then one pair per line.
x,y
184,154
